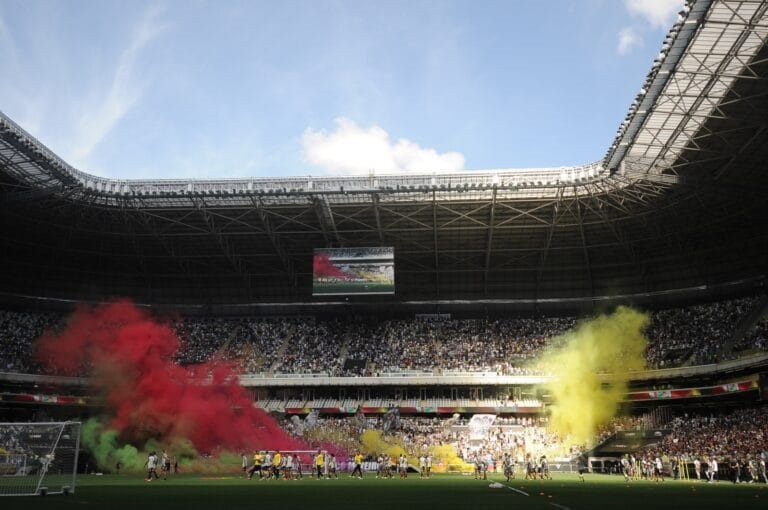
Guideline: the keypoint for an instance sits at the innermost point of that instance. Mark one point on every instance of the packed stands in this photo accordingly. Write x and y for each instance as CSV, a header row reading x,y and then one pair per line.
x,y
740,432
356,347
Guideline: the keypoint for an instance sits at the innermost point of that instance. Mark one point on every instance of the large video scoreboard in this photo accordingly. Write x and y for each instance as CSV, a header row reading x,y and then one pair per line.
x,y
345,271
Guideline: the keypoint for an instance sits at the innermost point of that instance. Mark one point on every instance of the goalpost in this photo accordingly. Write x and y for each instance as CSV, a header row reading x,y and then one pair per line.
x,y
38,458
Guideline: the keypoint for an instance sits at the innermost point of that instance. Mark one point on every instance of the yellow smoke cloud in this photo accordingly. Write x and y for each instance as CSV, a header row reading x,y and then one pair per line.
x,y
444,456
584,396
373,443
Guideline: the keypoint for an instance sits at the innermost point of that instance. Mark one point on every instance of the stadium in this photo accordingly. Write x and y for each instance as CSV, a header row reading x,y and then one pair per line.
x,y
438,316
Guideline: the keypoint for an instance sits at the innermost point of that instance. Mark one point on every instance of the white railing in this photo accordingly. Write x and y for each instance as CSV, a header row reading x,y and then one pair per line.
x,y
425,378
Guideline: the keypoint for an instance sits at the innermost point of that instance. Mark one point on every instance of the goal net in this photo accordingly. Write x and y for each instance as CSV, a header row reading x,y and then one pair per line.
x,y
38,458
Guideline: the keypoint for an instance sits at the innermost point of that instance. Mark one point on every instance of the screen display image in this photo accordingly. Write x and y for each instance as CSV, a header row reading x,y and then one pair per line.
x,y
345,271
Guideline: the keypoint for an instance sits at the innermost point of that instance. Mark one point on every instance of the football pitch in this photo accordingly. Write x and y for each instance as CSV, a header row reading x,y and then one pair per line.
x,y
441,492
348,288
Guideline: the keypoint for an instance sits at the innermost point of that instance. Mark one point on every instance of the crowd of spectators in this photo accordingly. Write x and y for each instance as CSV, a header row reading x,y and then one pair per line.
x,y
312,348
9,439
694,334
203,338
621,423
18,332
256,345
741,432
755,339
367,346
502,345
517,435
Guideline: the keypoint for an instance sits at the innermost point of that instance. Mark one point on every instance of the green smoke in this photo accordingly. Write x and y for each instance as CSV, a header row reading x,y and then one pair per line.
x,y
103,444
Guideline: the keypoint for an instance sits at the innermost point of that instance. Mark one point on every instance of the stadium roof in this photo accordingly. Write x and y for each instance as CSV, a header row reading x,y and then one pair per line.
x,y
678,202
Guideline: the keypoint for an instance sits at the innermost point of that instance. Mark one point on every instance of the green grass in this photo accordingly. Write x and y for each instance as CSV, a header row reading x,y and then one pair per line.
x,y
442,492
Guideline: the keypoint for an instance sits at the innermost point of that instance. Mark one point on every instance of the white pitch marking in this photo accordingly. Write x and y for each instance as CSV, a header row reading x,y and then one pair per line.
x,y
517,490
561,507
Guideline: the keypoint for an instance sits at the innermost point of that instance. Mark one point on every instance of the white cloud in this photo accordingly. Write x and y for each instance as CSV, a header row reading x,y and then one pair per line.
x,y
629,38
659,13
123,93
351,149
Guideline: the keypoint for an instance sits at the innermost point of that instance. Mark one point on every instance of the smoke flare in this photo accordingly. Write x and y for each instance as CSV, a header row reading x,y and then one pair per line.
x,y
591,369
130,357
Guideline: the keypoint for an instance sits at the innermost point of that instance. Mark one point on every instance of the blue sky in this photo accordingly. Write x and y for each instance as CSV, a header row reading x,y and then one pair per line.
x,y
224,88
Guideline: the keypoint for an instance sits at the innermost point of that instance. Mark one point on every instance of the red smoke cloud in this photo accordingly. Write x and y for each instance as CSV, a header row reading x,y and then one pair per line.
x,y
324,268
130,358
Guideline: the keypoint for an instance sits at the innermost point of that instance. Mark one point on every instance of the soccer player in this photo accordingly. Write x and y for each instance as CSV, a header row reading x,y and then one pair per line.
x,y
530,468
151,465
735,469
358,465
244,463
386,467
658,472
544,466
583,464
507,467
319,463
166,465
625,468
267,464
422,466
332,467
674,466
429,465
288,467
752,468
277,460
697,468
403,463
712,468
297,463
258,459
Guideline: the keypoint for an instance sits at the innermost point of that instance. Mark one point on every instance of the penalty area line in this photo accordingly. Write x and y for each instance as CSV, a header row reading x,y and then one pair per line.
x,y
561,507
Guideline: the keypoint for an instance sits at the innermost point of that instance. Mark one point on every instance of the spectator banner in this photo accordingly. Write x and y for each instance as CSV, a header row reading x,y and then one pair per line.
x,y
345,271
479,425
704,391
